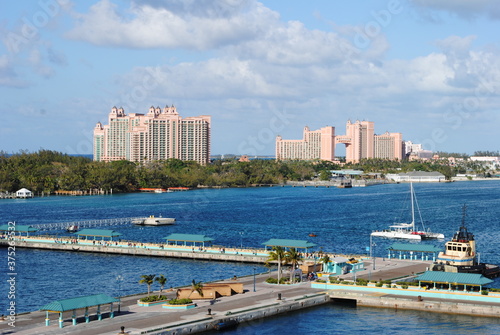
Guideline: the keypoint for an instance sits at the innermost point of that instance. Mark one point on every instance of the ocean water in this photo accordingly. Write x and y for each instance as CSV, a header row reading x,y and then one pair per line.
x,y
342,220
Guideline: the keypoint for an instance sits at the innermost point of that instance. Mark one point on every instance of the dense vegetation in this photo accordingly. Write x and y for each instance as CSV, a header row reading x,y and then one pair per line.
x,y
49,171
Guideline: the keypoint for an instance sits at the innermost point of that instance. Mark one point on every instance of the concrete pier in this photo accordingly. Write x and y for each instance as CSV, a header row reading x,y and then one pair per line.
x,y
258,256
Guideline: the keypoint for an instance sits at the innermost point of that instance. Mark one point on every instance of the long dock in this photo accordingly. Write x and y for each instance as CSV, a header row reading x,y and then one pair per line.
x,y
142,249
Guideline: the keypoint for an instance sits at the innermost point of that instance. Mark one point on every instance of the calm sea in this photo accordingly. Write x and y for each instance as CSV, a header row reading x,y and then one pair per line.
x,y
342,220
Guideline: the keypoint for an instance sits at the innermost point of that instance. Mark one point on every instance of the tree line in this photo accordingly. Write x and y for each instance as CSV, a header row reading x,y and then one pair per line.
x,y
48,171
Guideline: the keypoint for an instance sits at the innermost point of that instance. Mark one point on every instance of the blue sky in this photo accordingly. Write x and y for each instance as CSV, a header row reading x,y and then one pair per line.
x,y
429,69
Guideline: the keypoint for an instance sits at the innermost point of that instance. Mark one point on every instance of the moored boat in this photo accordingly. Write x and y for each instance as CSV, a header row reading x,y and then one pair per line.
x,y
407,230
72,229
154,221
460,255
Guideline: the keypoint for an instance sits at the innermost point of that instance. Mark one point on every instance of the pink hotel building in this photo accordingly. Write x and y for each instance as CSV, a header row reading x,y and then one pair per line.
x,y
360,141
159,134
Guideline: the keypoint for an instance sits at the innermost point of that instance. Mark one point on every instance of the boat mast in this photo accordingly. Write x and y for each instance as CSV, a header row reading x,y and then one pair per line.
x,y
412,208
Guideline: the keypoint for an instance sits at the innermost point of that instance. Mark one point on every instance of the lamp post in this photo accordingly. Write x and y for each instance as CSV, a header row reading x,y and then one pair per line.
x,y
254,279
119,280
241,240
371,251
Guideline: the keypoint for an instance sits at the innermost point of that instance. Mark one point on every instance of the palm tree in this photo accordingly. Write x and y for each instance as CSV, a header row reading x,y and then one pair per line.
x,y
277,255
148,280
325,260
162,280
294,257
196,286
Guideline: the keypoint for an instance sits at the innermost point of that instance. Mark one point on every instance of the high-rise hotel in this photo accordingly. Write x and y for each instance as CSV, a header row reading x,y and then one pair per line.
x,y
160,134
360,141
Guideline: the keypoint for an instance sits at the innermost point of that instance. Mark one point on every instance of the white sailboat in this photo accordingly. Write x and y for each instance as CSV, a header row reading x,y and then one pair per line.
x,y
407,230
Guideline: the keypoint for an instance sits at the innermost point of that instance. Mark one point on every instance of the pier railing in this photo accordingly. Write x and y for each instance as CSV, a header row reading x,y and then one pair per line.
x,y
87,223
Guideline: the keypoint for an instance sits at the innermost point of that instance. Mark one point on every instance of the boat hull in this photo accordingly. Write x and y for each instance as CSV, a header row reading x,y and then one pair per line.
x,y
397,235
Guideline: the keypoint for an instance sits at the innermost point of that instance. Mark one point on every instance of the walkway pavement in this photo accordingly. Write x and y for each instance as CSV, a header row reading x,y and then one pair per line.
x,y
136,319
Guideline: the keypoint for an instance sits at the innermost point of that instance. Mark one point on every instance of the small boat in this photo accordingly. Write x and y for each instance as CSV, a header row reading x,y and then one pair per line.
x,y
312,235
345,183
460,255
226,324
154,221
407,230
72,229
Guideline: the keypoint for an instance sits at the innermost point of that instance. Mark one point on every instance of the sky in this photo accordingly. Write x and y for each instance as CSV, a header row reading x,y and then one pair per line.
x,y
429,69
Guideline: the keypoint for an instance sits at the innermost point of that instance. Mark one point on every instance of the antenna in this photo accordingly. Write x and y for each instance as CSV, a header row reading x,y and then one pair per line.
x,y
464,214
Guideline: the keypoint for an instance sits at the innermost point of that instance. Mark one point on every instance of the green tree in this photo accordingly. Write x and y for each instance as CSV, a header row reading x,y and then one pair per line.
x,y
293,257
162,280
148,280
196,286
325,259
277,255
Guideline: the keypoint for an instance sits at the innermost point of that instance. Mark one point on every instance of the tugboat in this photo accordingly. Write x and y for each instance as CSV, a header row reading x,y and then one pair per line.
x,y
460,255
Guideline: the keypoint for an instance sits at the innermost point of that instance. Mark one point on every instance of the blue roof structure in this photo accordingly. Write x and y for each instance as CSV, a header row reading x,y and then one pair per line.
x,y
79,302
98,232
188,238
413,247
474,279
274,242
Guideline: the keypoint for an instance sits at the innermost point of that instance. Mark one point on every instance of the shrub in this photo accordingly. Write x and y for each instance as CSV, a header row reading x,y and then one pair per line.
x,y
180,301
484,292
271,280
362,282
320,281
153,298
379,284
404,286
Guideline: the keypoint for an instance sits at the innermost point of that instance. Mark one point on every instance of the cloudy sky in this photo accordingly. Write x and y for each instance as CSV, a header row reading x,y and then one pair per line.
x,y
429,69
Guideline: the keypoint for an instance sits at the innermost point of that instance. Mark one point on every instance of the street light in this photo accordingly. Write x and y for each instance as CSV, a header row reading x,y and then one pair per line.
x,y
254,279
371,251
241,240
119,280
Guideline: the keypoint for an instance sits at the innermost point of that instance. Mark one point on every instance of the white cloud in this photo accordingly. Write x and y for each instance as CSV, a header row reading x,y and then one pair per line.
x,y
144,26
468,9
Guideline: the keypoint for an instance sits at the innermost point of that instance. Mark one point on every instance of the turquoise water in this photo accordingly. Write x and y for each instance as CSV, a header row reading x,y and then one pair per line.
x,y
341,218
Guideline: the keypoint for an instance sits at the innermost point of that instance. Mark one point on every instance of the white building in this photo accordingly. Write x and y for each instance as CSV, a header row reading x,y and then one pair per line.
x,y
24,193
417,177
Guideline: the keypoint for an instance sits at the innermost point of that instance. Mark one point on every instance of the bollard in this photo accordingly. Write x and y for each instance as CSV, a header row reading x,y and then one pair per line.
x,y
279,296
123,330
209,311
